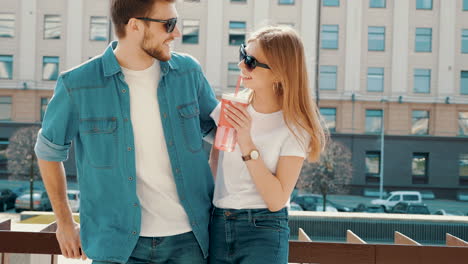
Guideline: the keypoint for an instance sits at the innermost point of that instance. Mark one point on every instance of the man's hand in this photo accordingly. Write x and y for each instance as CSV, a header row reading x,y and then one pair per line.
x,y
68,236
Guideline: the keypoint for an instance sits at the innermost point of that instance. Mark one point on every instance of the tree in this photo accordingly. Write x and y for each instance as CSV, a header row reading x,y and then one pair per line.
x,y
22,161
332,174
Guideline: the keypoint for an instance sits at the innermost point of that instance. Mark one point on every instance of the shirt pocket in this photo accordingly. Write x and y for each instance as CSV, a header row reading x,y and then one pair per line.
x,y
190,124
99,139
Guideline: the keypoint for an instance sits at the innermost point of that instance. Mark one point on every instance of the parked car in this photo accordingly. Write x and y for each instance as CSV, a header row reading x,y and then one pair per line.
x,y
74,200
7,199
399,196
314,202
41,202
295,207
410,208
370,208
26,189
443,212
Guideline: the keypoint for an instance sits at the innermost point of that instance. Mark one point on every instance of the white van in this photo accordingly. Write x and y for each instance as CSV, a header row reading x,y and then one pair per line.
x,y
74,200
399,196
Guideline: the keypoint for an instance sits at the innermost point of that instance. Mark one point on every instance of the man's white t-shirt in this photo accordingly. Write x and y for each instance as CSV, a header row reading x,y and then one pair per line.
x,y
234,188
161,211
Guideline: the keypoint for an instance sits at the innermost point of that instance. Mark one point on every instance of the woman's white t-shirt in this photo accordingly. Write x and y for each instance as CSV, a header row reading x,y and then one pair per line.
x,y
234,187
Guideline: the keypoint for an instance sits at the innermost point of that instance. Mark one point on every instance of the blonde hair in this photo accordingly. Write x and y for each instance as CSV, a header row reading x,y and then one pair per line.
x,y
284,51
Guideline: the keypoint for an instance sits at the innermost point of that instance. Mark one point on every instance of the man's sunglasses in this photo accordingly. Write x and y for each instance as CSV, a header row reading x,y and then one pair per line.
x,y
250,61
170,23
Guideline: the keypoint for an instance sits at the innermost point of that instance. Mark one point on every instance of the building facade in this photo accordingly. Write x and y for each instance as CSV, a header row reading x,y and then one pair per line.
x,y
373,64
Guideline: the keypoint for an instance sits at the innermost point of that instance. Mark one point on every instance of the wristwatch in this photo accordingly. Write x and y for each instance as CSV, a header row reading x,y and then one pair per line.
x,y
253,155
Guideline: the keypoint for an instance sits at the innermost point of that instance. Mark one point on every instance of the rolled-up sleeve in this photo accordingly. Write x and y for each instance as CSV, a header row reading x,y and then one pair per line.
x,y
207,102
59,127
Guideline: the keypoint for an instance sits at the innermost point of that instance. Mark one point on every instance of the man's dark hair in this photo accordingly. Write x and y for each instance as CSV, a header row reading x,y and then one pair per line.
x,y
122,10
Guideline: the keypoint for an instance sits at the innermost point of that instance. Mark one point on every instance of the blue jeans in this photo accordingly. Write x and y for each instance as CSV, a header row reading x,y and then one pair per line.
x,y
178,249
249,236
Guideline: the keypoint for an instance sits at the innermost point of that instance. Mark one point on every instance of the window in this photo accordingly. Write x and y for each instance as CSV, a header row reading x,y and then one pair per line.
x,y
3,157
463,123
374,121
50,68
463,168
329,114
376,38
377,3
329,36
190,31
327,78
44,103
424,4
5,108
464,44
372,166
420,124
331,2
233,74
98,28
419,168
7,25
465,5
52,26
375,79
464,82
6,67
423,40
422,81
236,32
286,2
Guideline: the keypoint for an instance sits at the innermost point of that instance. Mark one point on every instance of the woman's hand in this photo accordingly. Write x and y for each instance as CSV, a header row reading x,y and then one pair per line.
x,y
241,120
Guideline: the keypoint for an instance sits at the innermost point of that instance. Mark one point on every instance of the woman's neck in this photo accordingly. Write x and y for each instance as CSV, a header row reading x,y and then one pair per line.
x,y
266,103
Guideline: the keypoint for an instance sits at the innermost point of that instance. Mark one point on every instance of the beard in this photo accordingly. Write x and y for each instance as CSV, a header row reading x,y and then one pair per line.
x,y
155,52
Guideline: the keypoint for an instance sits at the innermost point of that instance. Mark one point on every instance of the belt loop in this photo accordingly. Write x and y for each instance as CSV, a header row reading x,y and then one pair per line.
x,y
250,215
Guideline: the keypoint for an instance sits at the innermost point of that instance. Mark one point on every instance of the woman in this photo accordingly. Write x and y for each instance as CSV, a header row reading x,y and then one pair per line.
x,y
276,132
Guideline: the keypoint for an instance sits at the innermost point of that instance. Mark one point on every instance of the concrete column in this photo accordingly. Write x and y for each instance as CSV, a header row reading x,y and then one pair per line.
x,y
447,35
353,46
400,47
309,33
27,43
214,43
74,35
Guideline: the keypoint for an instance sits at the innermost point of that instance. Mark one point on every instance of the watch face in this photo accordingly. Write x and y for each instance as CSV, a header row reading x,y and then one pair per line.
x,y
254,154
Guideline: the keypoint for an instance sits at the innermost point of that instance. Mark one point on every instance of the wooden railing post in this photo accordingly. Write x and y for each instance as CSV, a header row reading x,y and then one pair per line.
x,y
5,226
454,241
353,238
401,239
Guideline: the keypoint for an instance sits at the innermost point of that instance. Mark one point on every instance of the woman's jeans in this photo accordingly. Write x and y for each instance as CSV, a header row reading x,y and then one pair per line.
x,y
249,236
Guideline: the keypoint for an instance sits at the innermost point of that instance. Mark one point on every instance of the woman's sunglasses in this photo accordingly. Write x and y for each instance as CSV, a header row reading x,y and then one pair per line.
x,y
170,23
250,61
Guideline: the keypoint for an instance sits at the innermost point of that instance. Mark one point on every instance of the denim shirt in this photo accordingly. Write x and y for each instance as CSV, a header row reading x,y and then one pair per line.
x,y
91,107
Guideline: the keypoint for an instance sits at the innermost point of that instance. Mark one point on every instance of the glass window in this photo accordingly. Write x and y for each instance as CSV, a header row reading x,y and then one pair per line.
x,y
373,162
331,2
377,3
375,79
329,36
376,38
5,108
463,165
420,124
374,121
396,198
423,40
419,167
329,116
3,157
99,28
6,67
465,5
424,4
236,32
327,78
464,44
44,103
52,26
7,25
410,197
422,81
463,123
233,74
190,31
50,68
464,82
286,2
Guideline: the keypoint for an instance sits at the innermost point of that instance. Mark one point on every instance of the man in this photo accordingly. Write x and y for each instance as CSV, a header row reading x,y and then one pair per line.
x,y
136,115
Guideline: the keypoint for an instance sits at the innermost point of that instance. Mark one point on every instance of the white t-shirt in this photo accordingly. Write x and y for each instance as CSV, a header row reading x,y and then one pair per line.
x,y
234,187
161,211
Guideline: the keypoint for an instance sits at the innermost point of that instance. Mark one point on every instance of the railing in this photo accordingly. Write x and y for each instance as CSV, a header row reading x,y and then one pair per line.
x,y
355,251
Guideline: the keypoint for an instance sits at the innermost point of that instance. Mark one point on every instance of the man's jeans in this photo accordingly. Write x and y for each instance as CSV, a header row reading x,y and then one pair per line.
x,y
249,236
178,249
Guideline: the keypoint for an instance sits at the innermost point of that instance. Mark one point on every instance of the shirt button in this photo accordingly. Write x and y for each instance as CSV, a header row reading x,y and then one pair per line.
x,y
135,204
126,119
129,148
171,143
177,170
130,178
165,115
134,232
124,91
